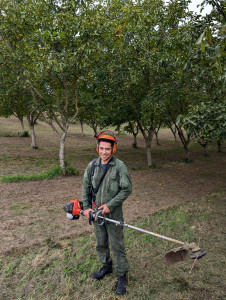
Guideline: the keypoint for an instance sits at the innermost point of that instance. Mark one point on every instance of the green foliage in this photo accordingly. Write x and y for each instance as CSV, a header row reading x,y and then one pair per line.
x,y
8,135
9,270
212,39
206,122
187,160
25,134
20,206
70,170
46,50
117,61
54,172
153,165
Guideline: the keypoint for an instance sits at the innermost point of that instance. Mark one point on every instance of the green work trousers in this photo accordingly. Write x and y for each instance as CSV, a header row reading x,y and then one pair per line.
x,y
114,234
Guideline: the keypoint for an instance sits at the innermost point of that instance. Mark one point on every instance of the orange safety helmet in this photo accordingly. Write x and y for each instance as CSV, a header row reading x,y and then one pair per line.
x,y
108,136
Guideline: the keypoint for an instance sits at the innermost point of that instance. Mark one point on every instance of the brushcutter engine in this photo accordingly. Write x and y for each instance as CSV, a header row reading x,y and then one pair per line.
x,y
73,209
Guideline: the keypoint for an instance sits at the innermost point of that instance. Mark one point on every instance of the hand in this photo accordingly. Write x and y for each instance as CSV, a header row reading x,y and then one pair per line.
x,y
86,212
105,209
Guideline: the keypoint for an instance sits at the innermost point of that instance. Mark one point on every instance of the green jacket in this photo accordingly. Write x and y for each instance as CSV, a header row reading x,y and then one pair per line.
x,y
114,189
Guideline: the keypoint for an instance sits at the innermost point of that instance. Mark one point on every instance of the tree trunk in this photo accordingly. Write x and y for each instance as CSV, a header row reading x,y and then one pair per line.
x,y
22,125
61,154
62,137
184,141
33,137
134,140
148,137
187,152
95,131
174,132
205,149
175,136
82,129
148,149
204,145
32,132
157,138
156,131
219,145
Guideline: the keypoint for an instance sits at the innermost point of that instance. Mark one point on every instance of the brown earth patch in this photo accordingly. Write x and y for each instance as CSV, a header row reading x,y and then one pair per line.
x,y
31,212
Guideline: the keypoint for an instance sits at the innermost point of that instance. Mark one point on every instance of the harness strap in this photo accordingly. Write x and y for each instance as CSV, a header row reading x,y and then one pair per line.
x,y
93,191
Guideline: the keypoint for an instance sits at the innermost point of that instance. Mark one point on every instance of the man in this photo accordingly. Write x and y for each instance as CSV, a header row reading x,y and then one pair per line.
x,y
113,190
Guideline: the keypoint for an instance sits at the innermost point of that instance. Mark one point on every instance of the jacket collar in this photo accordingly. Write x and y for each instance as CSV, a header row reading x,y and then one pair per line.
x,y
112,162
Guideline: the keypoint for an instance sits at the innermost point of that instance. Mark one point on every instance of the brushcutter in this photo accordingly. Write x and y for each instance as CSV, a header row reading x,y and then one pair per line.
x,y
74,209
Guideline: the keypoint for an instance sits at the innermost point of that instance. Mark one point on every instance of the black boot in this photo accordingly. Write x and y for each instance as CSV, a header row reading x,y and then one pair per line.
x,y
102,272
121,285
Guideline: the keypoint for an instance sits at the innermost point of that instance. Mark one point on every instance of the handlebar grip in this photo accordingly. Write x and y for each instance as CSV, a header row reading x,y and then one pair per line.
x,y
96,218
91,217
97,214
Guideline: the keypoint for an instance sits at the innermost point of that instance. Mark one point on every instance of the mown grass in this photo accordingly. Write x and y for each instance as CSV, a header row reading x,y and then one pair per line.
x,y
61,269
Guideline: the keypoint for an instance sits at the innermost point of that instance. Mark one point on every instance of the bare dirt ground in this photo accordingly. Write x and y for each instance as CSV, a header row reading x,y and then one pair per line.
x,y
31,212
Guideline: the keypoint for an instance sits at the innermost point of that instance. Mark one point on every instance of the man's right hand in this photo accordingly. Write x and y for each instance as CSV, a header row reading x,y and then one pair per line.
x,y
86,212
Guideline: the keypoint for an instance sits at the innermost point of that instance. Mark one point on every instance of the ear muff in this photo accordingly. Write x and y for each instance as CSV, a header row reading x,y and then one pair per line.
x,y
113,150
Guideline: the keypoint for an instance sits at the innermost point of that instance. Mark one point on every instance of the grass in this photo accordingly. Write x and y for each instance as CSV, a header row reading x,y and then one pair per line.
x,y
46,175
21,206
185,160
53,173
5,134
61,269
24,134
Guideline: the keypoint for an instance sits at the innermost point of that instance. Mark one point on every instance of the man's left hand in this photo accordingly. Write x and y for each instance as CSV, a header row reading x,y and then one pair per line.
x,y
105,209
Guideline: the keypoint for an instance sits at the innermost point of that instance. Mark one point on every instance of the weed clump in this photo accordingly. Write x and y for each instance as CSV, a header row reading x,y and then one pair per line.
x,y
70,170
50,174
56,171
24,134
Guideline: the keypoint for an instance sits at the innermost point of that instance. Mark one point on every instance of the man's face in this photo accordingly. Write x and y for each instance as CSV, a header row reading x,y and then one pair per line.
x,y
105,152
